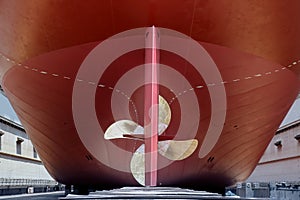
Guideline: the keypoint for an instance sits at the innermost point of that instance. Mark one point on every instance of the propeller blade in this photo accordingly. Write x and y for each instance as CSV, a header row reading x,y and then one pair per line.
x,y
173,150
164,115
177,150
121,128
137,165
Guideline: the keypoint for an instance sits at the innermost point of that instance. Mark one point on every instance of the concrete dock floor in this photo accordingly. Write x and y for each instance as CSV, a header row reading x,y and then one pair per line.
x,y
35,196
149,193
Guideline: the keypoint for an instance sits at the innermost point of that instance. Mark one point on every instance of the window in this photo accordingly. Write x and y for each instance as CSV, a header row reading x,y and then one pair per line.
x,y
1,133
19,145
34,153
278,143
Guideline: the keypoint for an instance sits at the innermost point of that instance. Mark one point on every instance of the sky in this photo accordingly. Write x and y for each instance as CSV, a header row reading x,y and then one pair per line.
x,y
6,110
293,114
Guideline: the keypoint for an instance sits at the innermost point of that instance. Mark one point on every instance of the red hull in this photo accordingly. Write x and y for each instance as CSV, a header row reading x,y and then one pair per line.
x,y
41,88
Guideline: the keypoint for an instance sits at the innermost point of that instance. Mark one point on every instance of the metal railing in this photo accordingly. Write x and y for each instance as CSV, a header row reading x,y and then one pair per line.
x,y
26,182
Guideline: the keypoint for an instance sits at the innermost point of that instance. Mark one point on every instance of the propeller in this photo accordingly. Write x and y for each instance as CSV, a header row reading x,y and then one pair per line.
x,y
170,149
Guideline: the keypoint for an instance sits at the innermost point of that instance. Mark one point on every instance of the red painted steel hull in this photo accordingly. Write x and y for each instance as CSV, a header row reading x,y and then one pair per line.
x,y
40,88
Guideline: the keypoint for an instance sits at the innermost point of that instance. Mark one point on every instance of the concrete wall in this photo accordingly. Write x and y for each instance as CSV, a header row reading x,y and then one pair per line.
x,y
280,163
22,170
279,166
19,166
9,144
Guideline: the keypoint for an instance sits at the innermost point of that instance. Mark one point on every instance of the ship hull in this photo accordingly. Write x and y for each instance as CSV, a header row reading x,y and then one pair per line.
x,y
41,91
44,79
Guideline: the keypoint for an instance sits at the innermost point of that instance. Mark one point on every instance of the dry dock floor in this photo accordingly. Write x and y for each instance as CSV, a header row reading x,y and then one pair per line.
x,y
150,193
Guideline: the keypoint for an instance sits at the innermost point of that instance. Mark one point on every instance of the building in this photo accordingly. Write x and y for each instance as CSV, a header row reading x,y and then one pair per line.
x,y
281,160
21,168
277,174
